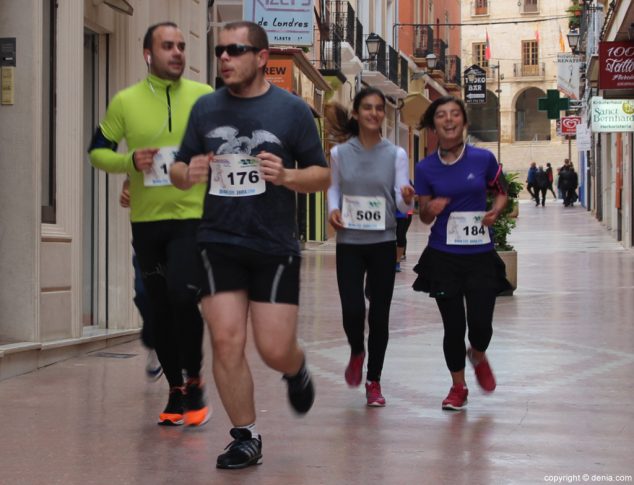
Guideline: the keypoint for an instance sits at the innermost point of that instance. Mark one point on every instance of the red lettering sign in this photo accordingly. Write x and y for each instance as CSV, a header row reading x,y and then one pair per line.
x,y
616,65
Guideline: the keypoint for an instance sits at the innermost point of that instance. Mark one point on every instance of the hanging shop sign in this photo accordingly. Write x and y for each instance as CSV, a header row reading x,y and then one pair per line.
x,y
569,125
616,65
612,115
584,138
475,85
287,22
569,74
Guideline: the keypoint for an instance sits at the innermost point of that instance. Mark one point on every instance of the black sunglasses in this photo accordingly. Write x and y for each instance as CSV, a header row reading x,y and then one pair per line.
x,y
235,49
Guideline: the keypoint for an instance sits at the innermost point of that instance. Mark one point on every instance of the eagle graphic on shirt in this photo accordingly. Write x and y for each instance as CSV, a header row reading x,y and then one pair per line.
x,y
241,144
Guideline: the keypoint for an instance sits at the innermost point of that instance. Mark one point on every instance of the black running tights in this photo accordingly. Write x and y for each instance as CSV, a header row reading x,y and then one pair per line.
x,y
171,269
479,316
353,262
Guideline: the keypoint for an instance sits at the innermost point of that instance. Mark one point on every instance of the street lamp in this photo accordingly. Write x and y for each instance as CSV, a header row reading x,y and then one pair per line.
x,y
372,43
573,39
431,61
431,64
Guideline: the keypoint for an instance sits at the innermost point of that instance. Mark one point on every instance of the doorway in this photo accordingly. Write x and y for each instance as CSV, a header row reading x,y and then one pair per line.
x,y
95,190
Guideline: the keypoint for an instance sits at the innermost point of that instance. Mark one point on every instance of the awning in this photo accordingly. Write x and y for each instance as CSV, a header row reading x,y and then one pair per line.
x,y
412,108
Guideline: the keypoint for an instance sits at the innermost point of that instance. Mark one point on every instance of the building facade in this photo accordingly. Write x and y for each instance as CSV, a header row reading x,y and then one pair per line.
x,y
516,43
606,41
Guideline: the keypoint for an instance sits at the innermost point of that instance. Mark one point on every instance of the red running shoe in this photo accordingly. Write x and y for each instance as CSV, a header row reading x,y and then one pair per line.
x,y
456,400
483,372
355,369
373,394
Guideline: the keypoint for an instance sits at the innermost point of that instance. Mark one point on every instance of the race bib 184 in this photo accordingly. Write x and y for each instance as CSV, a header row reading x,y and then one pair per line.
x,y
466,229
236,176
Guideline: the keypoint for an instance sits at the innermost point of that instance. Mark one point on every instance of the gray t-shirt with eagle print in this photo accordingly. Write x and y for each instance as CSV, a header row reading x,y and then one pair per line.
x,y
277,122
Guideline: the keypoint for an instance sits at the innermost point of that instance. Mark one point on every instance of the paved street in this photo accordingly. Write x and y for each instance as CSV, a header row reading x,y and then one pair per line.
x,y
562,350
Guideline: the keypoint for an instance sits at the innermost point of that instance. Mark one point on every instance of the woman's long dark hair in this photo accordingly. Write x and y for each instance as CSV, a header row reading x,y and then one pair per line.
x,y
341,126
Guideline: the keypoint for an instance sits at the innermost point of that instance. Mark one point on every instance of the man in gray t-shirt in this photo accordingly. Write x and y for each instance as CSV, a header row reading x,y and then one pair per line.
x,y
263,146
275,122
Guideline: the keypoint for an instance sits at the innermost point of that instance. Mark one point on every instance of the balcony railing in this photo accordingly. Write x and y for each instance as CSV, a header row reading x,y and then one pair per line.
x,y
330,53
339,25
453,70
440,49
480,7
423,40
404,74
340,18
526,70
389,63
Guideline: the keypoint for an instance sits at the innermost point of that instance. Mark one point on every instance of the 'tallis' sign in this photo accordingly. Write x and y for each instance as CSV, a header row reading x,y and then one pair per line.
x,y
616,65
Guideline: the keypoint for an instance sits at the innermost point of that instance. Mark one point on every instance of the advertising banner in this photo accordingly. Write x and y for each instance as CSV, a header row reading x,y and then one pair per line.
x,y
584,138
287,22
569,74
616,65
612,115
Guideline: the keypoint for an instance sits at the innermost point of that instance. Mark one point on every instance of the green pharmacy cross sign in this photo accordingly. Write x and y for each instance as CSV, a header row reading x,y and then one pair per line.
x,y
553,104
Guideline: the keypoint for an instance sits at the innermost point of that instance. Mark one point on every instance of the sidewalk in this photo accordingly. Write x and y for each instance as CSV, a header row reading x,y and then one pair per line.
x,y
562,350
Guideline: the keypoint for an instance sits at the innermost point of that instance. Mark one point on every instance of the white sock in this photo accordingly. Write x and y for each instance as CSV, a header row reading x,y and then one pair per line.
x,y
251,428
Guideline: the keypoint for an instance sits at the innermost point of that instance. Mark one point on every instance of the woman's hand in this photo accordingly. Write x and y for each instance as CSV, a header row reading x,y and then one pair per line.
x,y
436,206
490,217
335,219
407,191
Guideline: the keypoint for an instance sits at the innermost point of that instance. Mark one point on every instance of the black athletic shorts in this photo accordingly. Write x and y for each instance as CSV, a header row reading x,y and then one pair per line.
x,y
267,278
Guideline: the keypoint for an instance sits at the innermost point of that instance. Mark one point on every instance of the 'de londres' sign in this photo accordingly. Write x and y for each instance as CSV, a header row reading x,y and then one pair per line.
x,y
616,65
287,22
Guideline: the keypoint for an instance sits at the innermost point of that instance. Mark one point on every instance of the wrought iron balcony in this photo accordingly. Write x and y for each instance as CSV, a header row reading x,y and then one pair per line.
x,y
423,40
341,33
529,70
386,70
453,70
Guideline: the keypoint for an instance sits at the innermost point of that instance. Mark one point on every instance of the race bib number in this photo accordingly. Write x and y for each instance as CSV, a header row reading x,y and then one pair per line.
x,y
466,229
365,213
159,174
236,176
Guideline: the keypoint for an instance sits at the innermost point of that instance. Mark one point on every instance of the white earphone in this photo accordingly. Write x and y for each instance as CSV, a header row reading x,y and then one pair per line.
x,y
149,60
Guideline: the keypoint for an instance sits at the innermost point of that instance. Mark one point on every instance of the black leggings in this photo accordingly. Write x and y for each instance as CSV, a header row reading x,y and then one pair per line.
x,y
172,270
402,225
353,262
479,315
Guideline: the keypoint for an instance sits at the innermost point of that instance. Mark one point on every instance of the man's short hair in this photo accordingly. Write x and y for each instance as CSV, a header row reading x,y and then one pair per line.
x,y
147,39
256,34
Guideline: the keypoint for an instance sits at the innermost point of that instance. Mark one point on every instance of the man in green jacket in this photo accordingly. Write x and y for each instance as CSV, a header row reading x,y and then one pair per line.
x,y
151,116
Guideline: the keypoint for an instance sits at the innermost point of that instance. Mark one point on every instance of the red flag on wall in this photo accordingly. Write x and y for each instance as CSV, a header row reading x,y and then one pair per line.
x,y
487,49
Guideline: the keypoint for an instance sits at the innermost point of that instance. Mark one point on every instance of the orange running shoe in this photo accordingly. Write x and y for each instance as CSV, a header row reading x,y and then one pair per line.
x,y
172,415
197,412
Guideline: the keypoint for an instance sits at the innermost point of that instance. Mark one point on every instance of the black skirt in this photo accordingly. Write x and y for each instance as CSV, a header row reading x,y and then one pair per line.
x,y
445,275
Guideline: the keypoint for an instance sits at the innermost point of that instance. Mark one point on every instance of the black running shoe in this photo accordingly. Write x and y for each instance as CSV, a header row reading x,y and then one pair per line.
x,y
197,412
301,392
243,451
172,415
